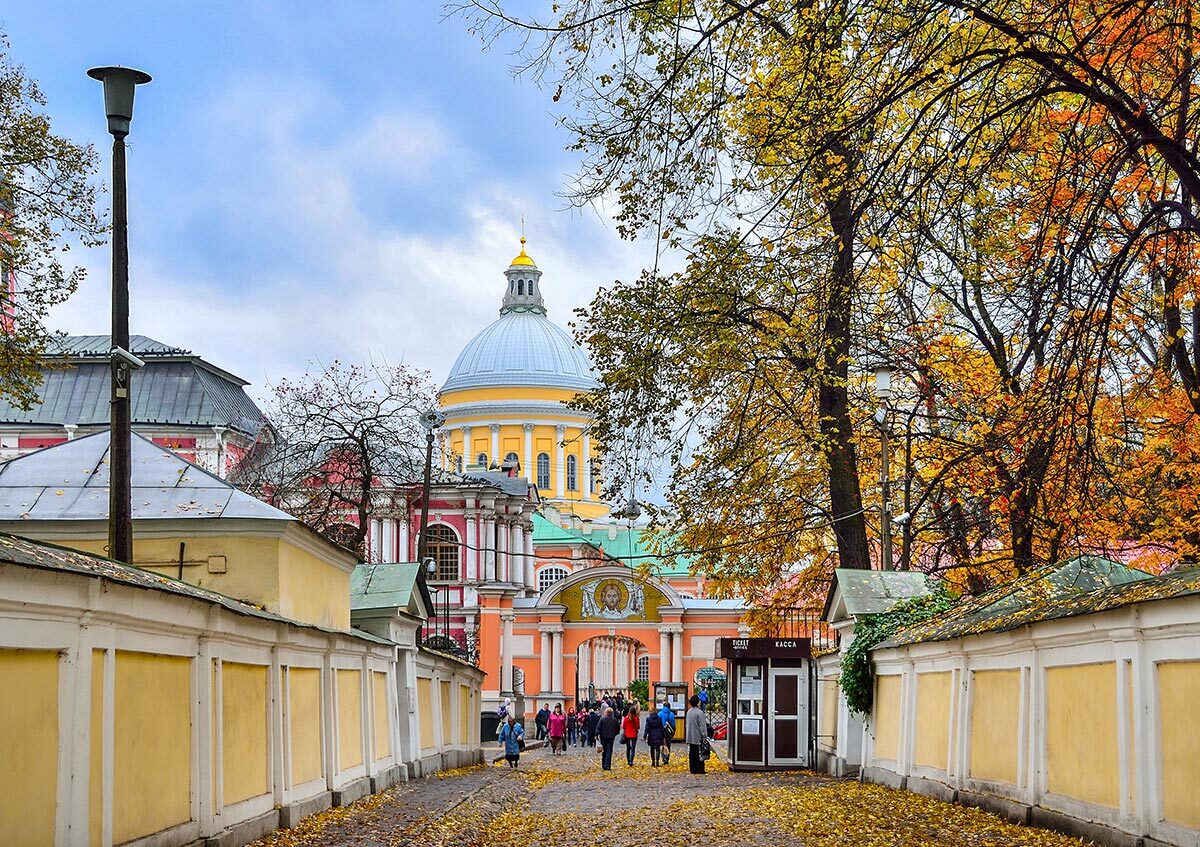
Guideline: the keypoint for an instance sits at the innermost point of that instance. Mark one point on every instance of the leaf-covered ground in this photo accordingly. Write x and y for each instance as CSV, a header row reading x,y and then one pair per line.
x,y
569,800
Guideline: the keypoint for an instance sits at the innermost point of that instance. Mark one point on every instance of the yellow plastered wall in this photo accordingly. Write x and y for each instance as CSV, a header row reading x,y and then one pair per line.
x,y
349,688
933,720
311,589
425,713
447,721
885,716
1081,733
379,691
829,712
513,392
304,724
152,744
995,723
28,745
465,714
1178,694
96,753
244,727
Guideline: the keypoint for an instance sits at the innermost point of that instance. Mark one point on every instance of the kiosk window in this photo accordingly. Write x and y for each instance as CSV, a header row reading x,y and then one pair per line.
x,y
750,690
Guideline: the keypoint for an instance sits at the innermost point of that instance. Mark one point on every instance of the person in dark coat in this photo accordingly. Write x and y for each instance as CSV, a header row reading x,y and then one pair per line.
x,y
608,730
540,720
655,736
594,727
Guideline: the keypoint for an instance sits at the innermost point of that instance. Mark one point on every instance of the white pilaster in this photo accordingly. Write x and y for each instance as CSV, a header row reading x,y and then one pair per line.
x,y
503,563
488,545
530,469
495,428
506,654
471,553
560,462
516,550
468,455
677,655
556,665
586,471
544,659
530,561
664,656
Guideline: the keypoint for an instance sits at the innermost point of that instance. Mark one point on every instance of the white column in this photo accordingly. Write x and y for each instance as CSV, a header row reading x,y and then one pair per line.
x,y
506,657
516,550
530,470
472,552
583,661
488,545
664,656
560,462
544,657
586,471
399,550
556,665
502,560
495,428
677,655
530,561
468,457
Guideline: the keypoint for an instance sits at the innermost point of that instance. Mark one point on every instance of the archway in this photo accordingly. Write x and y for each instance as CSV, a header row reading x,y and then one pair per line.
x,y
607,664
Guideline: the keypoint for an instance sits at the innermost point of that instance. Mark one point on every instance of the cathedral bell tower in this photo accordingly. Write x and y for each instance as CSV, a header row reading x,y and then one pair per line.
x,y
524,292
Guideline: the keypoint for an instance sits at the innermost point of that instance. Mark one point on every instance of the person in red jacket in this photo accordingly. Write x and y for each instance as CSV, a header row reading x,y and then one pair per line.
x,y
629,730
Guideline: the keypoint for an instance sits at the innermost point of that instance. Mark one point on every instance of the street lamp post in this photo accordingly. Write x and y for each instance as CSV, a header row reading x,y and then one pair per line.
x,y
430,421
883,390
119,84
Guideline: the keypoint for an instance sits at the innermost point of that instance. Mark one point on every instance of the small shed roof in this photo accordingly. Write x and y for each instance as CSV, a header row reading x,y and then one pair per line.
x,y
69,481
384,586
858,592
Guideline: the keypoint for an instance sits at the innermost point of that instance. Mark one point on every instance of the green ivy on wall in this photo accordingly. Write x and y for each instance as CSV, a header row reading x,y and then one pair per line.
x,y
858,679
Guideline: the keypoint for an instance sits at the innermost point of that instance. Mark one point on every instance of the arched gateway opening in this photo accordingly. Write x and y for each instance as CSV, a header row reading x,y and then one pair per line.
x,y
617,627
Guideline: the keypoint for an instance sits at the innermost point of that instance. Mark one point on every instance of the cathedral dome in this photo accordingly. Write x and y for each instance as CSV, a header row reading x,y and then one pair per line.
x,y
522,348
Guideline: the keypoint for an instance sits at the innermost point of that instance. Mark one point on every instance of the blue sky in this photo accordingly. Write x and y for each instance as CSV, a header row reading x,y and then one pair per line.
x,y
317,180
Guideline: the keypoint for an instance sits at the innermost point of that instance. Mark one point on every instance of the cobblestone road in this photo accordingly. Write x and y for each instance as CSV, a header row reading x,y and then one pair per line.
x,y
567,799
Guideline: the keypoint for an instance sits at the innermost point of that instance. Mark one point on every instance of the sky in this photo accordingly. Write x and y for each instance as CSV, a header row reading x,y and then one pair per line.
x,y
316,181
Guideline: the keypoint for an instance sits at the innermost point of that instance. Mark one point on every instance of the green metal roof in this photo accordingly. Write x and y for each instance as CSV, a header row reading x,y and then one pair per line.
x,y
1073,587
383,586
874,592
635,547
548,532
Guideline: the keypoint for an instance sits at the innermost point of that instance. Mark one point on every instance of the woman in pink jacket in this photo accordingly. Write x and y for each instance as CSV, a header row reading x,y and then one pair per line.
x,y
558,730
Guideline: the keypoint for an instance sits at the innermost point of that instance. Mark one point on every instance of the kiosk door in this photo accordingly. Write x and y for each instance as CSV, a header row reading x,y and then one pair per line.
x,y
748,716
789,717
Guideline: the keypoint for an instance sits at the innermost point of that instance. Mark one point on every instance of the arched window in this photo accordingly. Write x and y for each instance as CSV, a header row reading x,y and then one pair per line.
x,y
512,459
481,459
543,471
458,463
644,668
441,545
520,286
572,473
549,575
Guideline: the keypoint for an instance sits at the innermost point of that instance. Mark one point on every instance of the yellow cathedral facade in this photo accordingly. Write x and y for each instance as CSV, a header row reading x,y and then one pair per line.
x,y
505,401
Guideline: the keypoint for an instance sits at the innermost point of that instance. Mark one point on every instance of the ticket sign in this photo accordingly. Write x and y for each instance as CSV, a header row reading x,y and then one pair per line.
x,y
765,648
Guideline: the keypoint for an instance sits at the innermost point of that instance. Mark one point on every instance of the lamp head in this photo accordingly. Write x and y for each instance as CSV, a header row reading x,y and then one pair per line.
x,y
431,419
883,382
118,95
430,566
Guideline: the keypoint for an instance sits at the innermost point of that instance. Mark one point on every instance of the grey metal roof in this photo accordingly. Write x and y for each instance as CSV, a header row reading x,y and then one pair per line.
x,y
873,592
27,553
383,586
522,348
70,482
175,388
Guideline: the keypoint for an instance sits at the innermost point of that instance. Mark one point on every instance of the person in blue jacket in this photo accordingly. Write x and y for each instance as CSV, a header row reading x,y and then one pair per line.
x,y
668,721
512,734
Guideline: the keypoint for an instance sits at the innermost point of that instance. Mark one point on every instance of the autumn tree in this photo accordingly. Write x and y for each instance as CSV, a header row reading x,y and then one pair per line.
x,y
337,434
47,203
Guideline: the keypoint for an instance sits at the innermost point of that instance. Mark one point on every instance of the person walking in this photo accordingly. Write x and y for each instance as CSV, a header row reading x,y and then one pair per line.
x,y
629,728
668,720
540,720
581,718
557,726
695,734
571,725
609,728
594,727
654,736
512,736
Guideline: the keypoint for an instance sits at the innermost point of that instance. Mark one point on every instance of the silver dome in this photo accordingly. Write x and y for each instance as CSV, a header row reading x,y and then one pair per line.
x,y
522,348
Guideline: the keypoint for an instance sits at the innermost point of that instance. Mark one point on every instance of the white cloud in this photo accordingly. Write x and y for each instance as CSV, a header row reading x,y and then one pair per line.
x,y
335,277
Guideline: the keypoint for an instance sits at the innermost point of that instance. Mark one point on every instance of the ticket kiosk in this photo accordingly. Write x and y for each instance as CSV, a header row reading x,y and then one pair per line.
x,y
772,711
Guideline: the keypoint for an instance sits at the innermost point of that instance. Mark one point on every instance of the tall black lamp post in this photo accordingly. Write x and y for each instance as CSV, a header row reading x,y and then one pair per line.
x,y
119,84
430,421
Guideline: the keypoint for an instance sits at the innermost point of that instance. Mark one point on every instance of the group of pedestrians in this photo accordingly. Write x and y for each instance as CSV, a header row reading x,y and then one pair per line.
x,y
598,724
